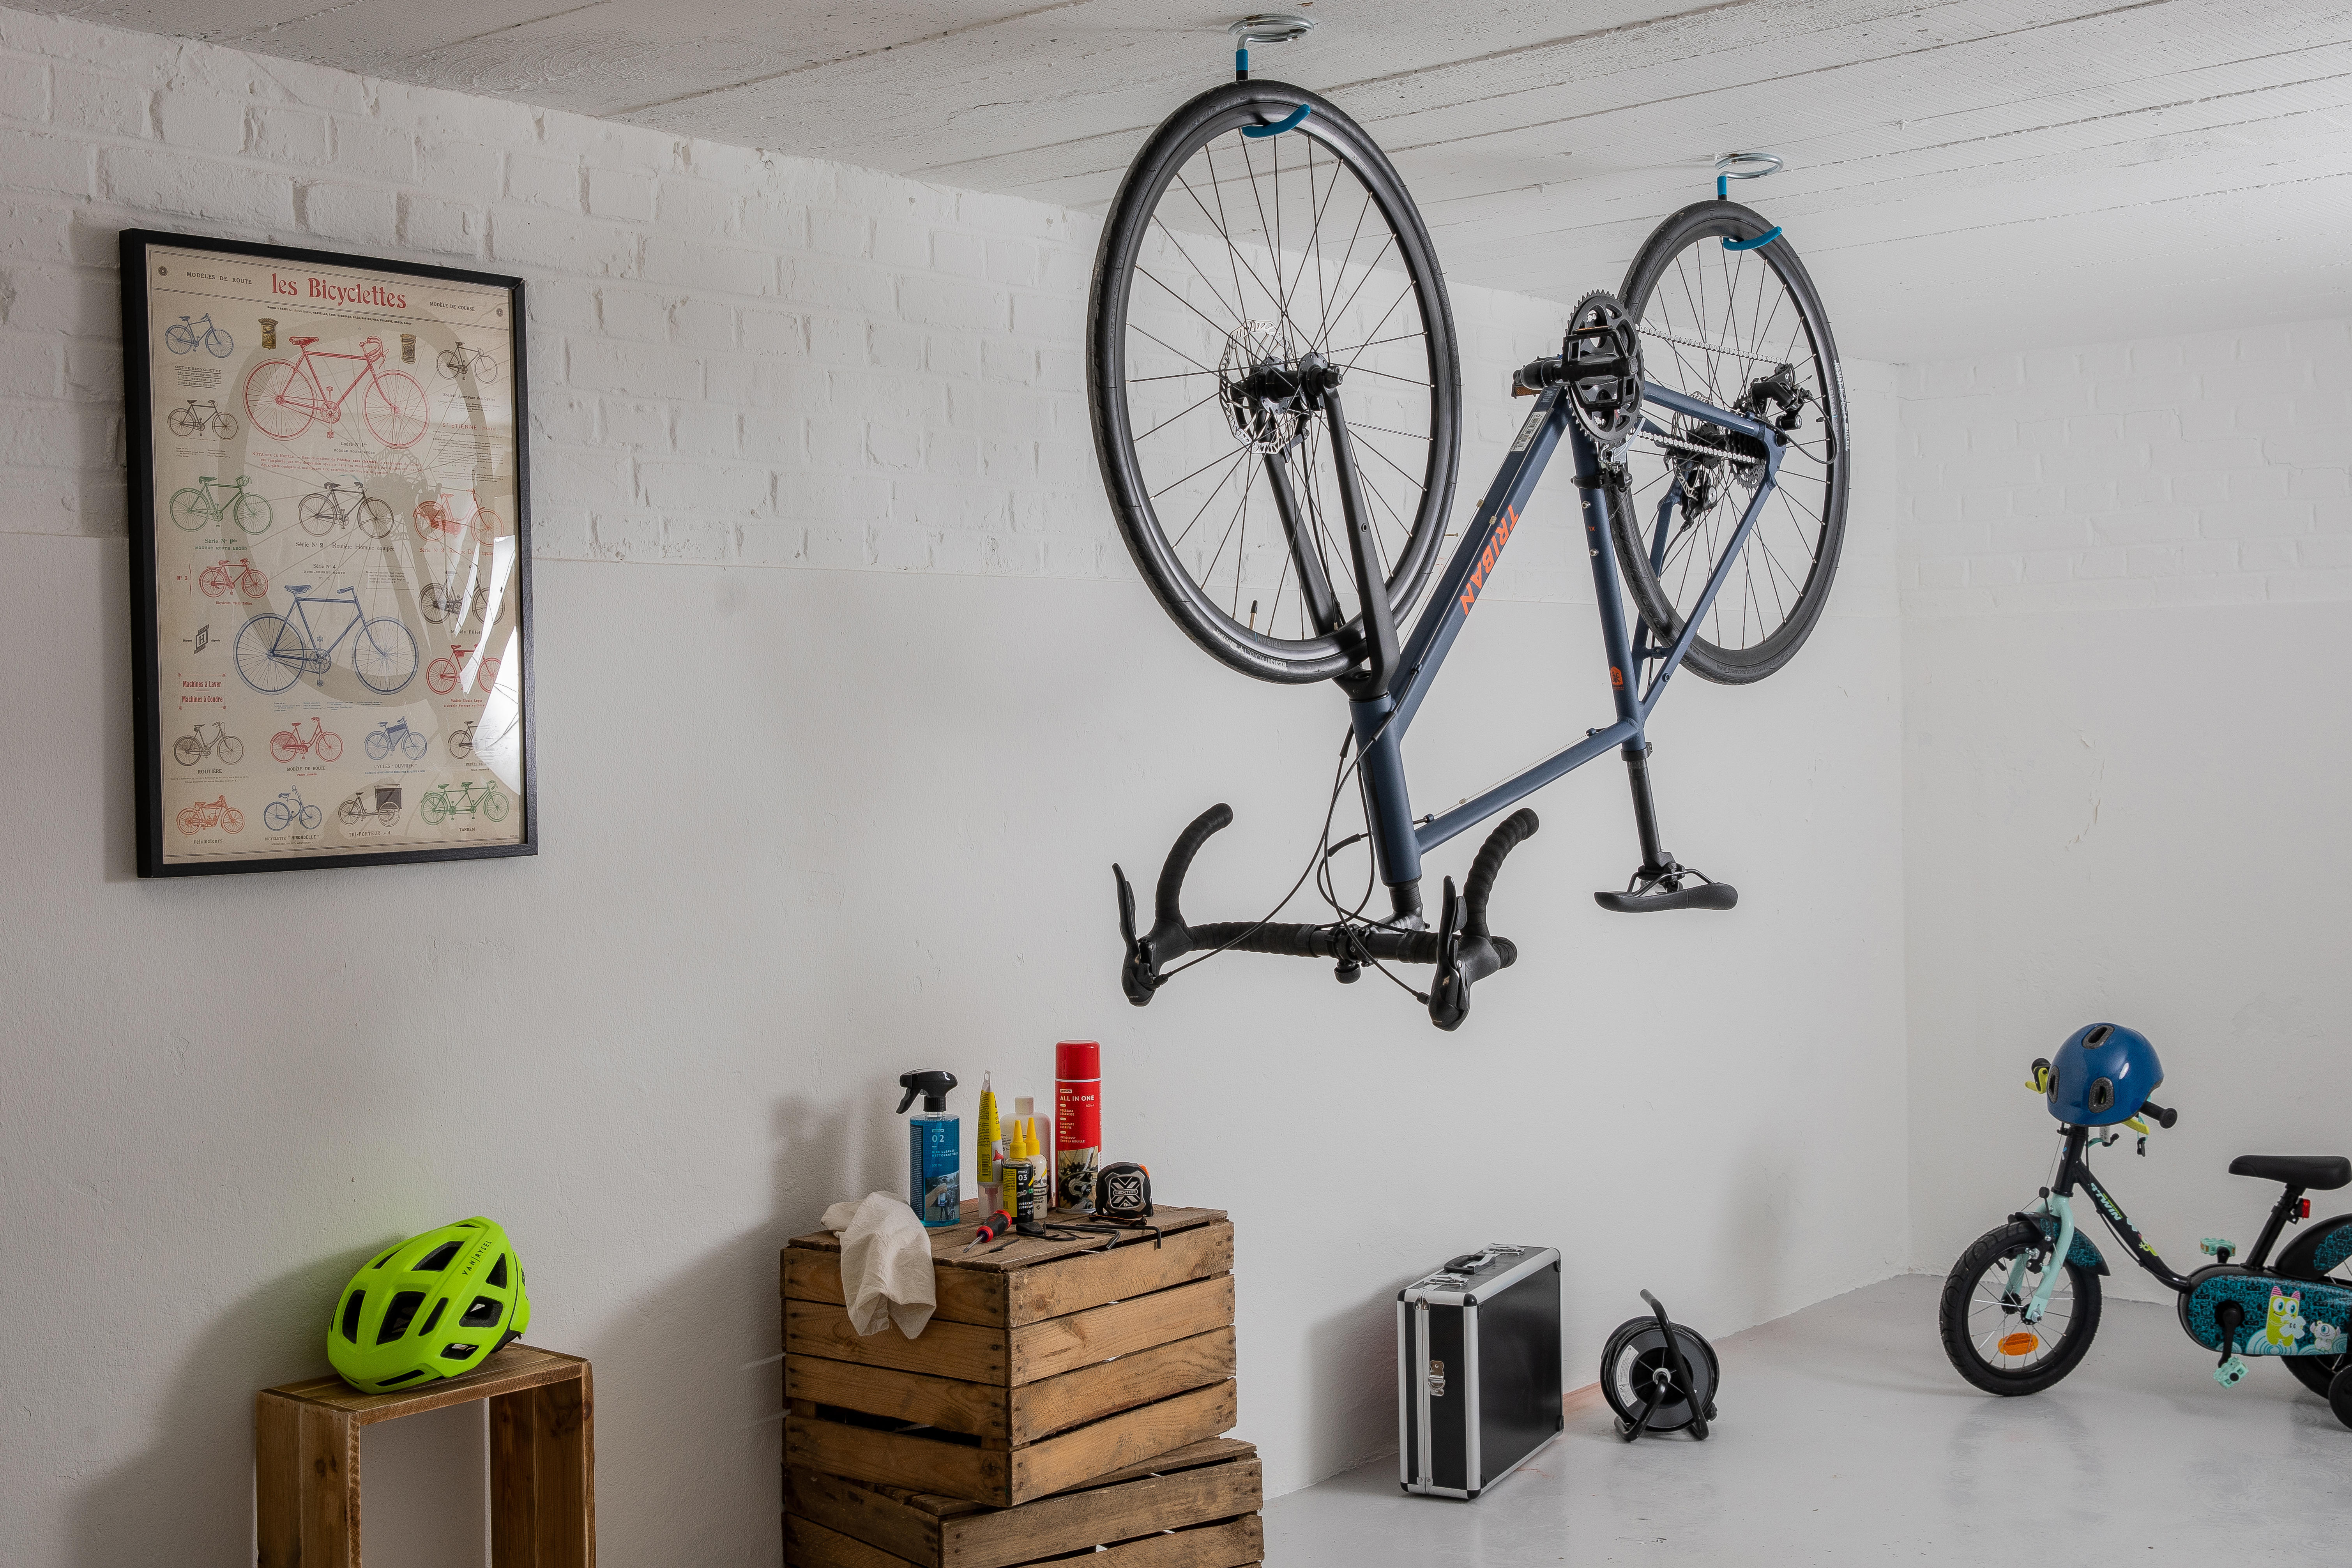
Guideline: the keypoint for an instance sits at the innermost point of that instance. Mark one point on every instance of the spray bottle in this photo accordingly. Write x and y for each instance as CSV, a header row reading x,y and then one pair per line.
x,y
934,1178
1077,1122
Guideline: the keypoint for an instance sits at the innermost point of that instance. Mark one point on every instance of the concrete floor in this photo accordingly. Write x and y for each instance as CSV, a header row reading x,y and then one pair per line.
x,y
1845,1436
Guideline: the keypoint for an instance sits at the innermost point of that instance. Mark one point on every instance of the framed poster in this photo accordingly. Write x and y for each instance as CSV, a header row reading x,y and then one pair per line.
x,y
331,558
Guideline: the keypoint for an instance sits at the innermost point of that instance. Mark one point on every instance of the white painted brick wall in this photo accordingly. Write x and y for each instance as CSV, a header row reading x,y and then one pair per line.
x,y
2210,469
736,357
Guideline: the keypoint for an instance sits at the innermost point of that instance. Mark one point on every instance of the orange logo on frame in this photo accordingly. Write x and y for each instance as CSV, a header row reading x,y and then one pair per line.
x,y
1486,557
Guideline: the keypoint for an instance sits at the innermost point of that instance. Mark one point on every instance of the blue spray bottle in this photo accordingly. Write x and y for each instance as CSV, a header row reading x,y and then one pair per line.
x,y
934,1178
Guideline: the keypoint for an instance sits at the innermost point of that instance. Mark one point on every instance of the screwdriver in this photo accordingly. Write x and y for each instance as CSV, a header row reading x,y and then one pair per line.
x,y
995,1226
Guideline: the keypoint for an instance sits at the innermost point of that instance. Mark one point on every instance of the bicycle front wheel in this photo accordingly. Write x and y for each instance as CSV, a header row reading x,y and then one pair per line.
x,y
310,818
253,513
269,654
330,746
493,807
1743,330
376,517
383,655
231,750
1230,264
395,409
1981,1316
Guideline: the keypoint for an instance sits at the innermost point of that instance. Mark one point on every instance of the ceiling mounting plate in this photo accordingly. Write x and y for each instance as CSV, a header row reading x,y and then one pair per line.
x,y
1270,28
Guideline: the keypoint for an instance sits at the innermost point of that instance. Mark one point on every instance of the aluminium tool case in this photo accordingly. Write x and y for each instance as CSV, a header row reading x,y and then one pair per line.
x,y
1479,1369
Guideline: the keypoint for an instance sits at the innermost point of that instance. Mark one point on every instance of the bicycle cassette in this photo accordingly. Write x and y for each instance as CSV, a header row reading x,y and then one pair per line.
x,y
1601,365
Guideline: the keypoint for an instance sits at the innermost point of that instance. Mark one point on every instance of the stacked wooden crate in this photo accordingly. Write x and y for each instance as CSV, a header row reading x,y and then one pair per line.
x,y
1063,1396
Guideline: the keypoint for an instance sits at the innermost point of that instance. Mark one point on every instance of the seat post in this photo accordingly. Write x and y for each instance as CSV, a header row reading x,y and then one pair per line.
x,y
2273,1225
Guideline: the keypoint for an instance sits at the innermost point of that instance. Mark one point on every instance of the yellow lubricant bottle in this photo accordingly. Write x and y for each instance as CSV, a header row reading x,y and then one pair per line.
x,y
984,1162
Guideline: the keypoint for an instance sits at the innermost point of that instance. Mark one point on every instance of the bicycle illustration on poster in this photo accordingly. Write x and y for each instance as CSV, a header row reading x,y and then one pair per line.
x,y
266,384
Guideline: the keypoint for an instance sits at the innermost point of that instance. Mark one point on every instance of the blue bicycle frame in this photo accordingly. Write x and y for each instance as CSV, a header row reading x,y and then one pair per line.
x,y
1382,719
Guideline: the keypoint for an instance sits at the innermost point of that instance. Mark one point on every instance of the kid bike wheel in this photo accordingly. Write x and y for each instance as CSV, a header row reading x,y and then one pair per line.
x,y
1226,259
264,385
376,517
2324,1251
1989,1343
1743,330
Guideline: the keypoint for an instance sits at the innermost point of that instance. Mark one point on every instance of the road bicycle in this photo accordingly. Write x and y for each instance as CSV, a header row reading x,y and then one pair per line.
x,y
2022,1304
439,805
439,518
381,802
195,819
461,742
460,360
444,673
187,424
183,336
393,737
223,577
283,396
338,505
274,650
191,749
321,742
210,499
287,810
1260,253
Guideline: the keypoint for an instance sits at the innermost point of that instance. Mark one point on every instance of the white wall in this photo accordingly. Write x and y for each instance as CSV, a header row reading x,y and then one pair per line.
x,y
847,698
2127,576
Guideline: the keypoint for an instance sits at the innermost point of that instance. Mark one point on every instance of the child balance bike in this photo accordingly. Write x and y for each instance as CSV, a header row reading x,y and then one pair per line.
x,y
2019,1307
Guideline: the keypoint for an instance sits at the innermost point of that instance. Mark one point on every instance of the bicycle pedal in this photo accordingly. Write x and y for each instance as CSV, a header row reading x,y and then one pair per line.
x,y
2215,1247
2231,1372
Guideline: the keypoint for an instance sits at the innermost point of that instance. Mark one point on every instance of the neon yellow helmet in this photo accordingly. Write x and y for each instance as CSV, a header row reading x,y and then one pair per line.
x,y
434,1306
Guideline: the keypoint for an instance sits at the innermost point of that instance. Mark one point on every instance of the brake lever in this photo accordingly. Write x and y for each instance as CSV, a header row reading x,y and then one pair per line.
x,y
1139,976
1449,993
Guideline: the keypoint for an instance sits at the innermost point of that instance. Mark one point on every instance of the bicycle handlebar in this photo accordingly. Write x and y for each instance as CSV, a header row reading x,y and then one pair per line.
x,y
2162,1117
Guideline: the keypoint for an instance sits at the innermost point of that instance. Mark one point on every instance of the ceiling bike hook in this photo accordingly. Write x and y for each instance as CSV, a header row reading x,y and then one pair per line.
x,y
1267,27
1731,166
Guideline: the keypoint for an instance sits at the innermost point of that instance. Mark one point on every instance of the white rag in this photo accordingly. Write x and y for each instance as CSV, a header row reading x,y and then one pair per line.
x,y
886,1264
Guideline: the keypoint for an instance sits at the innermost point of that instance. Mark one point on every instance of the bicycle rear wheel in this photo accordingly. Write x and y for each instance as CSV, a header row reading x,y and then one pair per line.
x,y
1743,331
263,645
1226,254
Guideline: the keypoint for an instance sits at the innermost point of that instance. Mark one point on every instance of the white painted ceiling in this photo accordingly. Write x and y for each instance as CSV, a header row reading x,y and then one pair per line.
x,y
1963,175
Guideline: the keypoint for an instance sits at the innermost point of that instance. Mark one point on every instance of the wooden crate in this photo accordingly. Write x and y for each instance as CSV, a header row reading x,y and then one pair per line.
x,y
1195,1507
306,1453
1047,1364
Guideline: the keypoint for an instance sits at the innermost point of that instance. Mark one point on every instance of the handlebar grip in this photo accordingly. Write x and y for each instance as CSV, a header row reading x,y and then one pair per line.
x,y
1168,899
2163,1118
1514,830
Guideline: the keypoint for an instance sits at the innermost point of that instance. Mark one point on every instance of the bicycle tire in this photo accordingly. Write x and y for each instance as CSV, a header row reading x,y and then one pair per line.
x,y
253,583
189,820
218,344
353,813
494,806
376,517
232,820
1159,337
461,743
179,338
316,513
449,365
265,384
189,510
188,751
1992,1251
428,600
434,809
275,817
310,818
253,513
230,750
412,746
329,745
378,746
224,424
441,675
1698,288
183,423
284,747
383,655
395,409
486,370
258,661
214,580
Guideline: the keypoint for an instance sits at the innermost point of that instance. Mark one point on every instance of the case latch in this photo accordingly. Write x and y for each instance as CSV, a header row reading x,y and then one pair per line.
x,y
1437,1380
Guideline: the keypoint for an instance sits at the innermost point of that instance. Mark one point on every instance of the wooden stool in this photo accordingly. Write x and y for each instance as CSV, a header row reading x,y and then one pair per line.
x,y
306,1457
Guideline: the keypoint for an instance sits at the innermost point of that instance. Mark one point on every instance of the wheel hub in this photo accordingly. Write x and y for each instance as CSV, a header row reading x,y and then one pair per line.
x,y
1266,388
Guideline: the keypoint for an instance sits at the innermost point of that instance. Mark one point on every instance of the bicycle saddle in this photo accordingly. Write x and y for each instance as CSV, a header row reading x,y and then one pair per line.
x,y
301,342
208,478
2324,1173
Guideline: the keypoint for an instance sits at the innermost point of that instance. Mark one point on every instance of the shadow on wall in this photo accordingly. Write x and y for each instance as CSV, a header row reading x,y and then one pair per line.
x,y
188,1498
1352,1367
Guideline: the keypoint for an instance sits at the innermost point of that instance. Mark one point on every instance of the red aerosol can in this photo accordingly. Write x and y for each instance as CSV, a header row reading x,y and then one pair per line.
x,y
1077,1122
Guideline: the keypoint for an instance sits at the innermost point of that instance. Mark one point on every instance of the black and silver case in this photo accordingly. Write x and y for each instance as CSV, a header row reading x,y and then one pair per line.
x,y
1478,1378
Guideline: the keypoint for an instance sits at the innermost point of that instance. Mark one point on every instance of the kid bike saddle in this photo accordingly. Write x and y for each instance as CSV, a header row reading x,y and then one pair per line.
x,y
1462,947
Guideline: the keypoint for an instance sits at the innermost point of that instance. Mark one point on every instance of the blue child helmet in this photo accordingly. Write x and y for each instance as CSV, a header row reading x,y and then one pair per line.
x,y
2103,1074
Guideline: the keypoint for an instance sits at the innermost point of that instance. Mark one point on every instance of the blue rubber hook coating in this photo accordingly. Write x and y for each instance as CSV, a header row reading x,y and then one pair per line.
x,y
1767,238
1733,163
1290,121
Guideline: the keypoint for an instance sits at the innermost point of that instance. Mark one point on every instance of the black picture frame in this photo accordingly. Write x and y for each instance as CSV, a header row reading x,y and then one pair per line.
x,y
135,245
